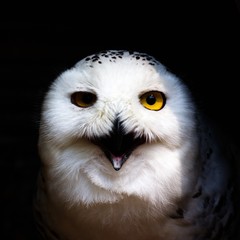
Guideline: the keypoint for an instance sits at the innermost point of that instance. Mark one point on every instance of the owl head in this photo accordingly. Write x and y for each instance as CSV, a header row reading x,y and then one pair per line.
x,y
116,114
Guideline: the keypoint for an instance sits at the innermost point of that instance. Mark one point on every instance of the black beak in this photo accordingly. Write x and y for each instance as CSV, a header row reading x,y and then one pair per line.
x,y
119,145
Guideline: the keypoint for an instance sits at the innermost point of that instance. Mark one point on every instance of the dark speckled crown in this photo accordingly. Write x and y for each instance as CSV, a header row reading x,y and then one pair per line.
x,y
114,55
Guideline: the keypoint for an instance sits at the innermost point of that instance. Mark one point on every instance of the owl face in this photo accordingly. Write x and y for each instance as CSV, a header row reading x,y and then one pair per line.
x,y
118,101
113,108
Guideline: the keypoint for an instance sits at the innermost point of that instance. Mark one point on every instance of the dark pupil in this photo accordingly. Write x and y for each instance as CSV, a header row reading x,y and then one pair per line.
x,y
87,98
151,99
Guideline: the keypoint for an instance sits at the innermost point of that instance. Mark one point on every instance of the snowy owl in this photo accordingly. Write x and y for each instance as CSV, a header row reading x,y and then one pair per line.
x,y
126,154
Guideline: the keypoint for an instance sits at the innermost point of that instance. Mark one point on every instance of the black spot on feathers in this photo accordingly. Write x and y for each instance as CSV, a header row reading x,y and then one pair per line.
x,y
114,55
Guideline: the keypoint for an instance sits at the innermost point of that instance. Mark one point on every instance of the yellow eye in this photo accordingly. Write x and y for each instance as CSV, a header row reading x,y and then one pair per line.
x,y
153,100
83,99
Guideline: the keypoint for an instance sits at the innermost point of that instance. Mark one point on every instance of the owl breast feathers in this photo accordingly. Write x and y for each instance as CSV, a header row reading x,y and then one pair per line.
x,y
126,154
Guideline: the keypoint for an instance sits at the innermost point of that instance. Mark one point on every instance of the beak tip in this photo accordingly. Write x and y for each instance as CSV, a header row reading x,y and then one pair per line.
x,y
117,168
117,161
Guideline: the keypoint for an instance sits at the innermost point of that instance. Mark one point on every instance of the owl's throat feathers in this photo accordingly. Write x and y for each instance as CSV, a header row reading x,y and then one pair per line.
x,y
118,145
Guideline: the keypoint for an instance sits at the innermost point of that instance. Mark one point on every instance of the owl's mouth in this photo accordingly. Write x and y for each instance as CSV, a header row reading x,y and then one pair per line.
x,y
119,145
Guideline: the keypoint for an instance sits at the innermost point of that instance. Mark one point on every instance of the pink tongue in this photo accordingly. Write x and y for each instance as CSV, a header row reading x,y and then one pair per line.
x,y
117,162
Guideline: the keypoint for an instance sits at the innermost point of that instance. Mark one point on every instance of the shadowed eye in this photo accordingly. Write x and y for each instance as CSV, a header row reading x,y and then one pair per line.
x,y
83,99
153,100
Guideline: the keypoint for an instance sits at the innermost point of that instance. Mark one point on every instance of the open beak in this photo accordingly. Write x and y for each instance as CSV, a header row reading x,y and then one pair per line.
x,y
119,145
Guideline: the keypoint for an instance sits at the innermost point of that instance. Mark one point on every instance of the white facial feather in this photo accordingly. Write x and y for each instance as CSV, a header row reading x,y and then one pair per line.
x,y
159,170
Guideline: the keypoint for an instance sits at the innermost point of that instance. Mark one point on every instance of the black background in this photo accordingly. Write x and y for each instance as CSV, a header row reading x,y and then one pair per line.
x,y
199,42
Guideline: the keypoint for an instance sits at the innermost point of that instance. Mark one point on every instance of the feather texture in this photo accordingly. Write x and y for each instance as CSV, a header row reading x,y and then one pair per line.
x,y
113,168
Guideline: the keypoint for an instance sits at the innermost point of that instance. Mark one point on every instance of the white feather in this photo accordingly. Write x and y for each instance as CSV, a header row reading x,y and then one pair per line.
x,y
157,175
